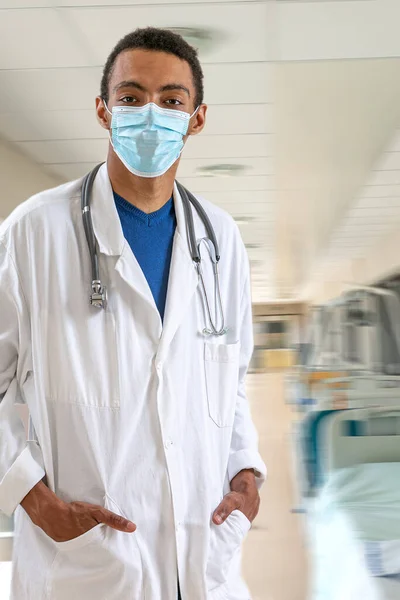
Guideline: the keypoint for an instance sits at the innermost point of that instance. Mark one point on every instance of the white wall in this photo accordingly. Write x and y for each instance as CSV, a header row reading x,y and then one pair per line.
x,y
20,178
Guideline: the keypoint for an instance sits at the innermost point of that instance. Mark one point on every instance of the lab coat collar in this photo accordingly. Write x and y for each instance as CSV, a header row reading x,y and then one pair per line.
x,y
183,280
106,224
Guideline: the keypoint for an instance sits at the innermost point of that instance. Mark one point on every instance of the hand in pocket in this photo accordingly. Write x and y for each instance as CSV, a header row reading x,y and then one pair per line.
x,y
63,521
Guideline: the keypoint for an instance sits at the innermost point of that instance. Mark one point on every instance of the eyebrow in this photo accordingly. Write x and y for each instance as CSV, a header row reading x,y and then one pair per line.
x,y
138,86
174,86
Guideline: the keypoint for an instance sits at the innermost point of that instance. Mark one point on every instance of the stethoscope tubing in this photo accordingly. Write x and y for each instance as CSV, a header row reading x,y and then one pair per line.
x,y
188,200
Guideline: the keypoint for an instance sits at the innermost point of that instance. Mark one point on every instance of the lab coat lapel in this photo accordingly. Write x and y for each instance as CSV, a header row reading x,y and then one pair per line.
x,y
130,270
183,279
110,237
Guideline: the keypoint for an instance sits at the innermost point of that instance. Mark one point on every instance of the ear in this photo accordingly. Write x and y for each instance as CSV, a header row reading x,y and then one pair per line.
x,y
198,121
103,116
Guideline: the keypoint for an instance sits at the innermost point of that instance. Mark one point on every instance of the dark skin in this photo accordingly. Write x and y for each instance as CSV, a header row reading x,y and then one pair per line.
x,y
138,77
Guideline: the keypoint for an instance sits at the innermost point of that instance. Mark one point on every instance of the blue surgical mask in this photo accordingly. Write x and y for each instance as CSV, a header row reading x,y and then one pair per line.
x,y
148,139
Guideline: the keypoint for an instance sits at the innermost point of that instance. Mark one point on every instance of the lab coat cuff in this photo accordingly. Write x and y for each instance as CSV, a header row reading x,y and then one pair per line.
x,y
22,476
247,459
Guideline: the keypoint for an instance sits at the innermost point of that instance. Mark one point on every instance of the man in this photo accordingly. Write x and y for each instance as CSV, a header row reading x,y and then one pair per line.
x,y
144,470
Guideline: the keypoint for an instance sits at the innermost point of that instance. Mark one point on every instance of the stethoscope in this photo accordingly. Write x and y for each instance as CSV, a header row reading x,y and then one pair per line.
x,y
98,297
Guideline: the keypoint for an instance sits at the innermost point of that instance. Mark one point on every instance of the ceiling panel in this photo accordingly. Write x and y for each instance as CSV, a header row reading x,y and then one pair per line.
x,y
14,126
360,220
239,28
389,161
265,238
395,143
384,178
357,237
378,202
252,167
239,83
51,125
39,38
230,146
366,29
246,202
66,151
237,119
64,3
49,89
356,226
25,3
377,211
222,184
380,191
70,172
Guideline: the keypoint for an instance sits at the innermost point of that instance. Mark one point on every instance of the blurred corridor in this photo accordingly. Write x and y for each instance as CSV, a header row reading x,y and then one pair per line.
x,y
275,560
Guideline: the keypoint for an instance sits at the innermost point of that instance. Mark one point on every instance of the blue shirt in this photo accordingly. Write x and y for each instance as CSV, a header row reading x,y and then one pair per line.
x,y
151,238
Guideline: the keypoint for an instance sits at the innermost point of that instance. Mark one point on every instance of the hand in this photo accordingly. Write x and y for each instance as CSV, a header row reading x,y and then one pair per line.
x,y
63,521
243,496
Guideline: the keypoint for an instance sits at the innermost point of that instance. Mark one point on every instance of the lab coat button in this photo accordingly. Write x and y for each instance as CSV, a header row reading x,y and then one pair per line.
x,y
169,444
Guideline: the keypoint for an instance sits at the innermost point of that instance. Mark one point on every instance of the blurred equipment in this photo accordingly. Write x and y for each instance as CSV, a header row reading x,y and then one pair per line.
x,y
355,527
276,336
347,445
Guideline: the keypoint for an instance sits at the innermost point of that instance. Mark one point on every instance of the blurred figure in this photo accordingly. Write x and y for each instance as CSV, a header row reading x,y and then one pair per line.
x,y
137,400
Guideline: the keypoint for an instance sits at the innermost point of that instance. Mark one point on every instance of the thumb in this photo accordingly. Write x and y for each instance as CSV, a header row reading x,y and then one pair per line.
x,y
115,521
225,508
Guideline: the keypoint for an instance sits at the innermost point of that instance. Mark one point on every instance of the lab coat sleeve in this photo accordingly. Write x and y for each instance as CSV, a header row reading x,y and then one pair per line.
x,y
244,446
21,466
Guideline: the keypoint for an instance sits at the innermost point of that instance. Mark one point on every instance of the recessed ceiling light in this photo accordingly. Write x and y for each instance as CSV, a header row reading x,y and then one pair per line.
x,y
222,170
243,220
203,39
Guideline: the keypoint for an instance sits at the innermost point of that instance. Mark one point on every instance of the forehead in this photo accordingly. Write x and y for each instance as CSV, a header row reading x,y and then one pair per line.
x,y
150,68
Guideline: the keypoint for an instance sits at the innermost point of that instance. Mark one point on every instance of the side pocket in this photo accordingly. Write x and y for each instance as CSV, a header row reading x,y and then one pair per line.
x,y
90,537
225,540
221,362
100,560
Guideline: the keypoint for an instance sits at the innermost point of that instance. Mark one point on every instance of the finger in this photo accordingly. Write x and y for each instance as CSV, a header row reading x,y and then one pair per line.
x,y
226,507
114,521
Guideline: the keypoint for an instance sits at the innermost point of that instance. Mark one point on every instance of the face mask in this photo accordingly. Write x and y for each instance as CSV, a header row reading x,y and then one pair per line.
x,y
148,139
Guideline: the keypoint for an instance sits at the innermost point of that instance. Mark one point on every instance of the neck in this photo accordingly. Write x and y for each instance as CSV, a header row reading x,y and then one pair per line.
x,y
147,194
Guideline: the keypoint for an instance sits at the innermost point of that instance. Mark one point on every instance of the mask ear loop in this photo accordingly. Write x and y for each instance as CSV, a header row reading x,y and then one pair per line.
x,y
109,131
190,116
107,109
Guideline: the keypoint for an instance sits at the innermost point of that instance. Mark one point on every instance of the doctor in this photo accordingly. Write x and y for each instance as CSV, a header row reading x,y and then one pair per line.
x,y
142,466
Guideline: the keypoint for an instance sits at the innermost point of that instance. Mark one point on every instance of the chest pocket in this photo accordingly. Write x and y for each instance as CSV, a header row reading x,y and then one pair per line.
x,y
81,359
222,373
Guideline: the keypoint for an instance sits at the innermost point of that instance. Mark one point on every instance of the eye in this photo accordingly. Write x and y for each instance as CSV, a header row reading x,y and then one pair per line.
x,y
128,100
173,102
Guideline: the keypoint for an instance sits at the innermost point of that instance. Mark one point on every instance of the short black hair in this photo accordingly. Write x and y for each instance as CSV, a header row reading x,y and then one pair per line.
x,y
158,40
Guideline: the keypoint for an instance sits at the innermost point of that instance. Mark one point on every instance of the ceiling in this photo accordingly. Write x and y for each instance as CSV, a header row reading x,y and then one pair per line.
x,y
309,119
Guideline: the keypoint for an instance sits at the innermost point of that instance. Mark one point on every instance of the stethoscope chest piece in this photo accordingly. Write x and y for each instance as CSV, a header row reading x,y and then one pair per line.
x,y
98,297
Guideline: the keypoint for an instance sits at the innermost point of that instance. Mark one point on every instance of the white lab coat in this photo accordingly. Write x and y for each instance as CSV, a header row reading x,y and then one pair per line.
x,y
150,421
